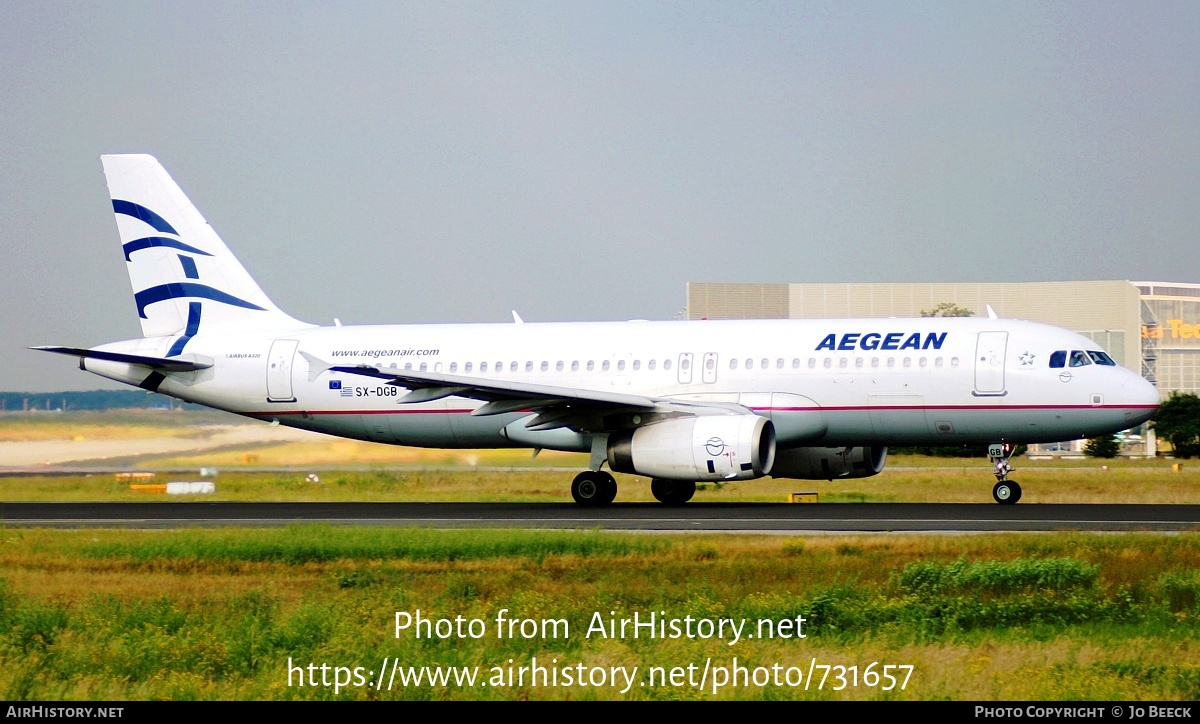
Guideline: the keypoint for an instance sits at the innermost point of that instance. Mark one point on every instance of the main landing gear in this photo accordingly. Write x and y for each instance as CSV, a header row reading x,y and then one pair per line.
x,y
1005,491
594,488
672,492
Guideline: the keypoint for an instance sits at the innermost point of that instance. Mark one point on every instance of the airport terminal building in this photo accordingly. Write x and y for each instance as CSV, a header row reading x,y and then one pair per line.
x,y
1153,327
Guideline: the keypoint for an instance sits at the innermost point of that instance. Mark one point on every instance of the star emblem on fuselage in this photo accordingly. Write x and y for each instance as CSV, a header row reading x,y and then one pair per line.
x,y
1026,358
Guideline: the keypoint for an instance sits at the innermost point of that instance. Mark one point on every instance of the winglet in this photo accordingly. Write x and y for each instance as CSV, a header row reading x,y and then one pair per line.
x,y
316,365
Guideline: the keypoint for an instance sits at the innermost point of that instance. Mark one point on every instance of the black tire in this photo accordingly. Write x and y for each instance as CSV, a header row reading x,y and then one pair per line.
x,y
593,489
672,492
1006,492
609,487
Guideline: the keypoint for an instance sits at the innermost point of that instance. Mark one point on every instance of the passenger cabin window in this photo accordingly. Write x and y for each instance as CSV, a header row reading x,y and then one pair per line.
x,y
637,365
513,367
666,364
604,365
650,365
558,366
733,364
453,366
1058,359
1102,358
575,366
591,365
1079,358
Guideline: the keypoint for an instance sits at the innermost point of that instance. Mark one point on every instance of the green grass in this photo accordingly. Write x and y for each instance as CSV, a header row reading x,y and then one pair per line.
x,y
1153,482
214,614
321,544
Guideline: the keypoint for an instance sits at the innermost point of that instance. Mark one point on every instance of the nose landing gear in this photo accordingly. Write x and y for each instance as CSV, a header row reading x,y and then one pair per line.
x,y
1005,491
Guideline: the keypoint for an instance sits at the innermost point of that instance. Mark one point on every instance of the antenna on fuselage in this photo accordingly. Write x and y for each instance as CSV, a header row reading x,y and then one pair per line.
x,y
991,312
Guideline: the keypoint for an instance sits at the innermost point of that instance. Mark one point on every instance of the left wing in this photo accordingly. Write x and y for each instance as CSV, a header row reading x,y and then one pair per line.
x,y
573,407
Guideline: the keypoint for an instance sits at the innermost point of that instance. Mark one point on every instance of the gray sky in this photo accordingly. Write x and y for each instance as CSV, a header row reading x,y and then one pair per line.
x,y
448,162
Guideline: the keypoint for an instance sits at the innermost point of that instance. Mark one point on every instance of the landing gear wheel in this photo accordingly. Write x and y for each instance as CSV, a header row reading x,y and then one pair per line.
x,y
672,492
1006,492
593,489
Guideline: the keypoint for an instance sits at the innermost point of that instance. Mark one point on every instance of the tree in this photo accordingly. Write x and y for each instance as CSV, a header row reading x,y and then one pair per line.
x,y
947,309
1105,446
1178,422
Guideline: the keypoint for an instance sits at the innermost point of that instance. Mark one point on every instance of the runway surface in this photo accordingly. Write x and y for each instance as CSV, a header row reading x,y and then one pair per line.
x,y
707,517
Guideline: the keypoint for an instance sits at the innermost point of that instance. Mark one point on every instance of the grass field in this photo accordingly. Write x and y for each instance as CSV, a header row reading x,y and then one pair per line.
x,y
217,614
1145,483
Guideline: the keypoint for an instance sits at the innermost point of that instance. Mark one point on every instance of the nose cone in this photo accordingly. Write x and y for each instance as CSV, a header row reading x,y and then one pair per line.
x,y
1141,400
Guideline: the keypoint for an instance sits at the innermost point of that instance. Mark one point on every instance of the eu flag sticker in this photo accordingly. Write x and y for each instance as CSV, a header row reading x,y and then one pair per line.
x,y
335,384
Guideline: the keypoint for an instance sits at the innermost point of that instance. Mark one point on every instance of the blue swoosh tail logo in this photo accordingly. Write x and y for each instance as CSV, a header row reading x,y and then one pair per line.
x,y
177,290
149,242
137,211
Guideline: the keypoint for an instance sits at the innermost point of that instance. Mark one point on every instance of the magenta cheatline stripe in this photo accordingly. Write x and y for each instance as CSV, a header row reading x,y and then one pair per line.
x,y
843,408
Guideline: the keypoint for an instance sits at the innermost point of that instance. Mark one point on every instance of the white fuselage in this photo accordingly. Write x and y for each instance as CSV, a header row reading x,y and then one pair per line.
x,y
928,381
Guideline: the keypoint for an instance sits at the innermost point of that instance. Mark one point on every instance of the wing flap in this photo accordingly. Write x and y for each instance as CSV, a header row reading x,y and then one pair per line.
x,y
490,390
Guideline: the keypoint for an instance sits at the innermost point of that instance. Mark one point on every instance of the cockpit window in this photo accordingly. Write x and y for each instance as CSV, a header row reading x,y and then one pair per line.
x,y
1102,358
1059,358
1079,358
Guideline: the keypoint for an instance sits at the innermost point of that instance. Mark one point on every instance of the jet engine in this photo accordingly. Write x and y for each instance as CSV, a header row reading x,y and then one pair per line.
x,y
827,463
709,447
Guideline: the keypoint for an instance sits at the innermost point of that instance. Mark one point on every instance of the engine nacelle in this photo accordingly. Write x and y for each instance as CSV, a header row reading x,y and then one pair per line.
x,y
827,463
710,447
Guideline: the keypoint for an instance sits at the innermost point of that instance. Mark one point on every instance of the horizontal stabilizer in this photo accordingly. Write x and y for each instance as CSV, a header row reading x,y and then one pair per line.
x,y
183,363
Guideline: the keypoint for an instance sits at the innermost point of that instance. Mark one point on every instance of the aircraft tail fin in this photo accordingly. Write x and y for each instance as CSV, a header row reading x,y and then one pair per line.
x,y
183,275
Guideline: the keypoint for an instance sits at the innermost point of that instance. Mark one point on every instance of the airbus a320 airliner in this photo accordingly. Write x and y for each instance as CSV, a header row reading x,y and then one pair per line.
x,y
677,402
